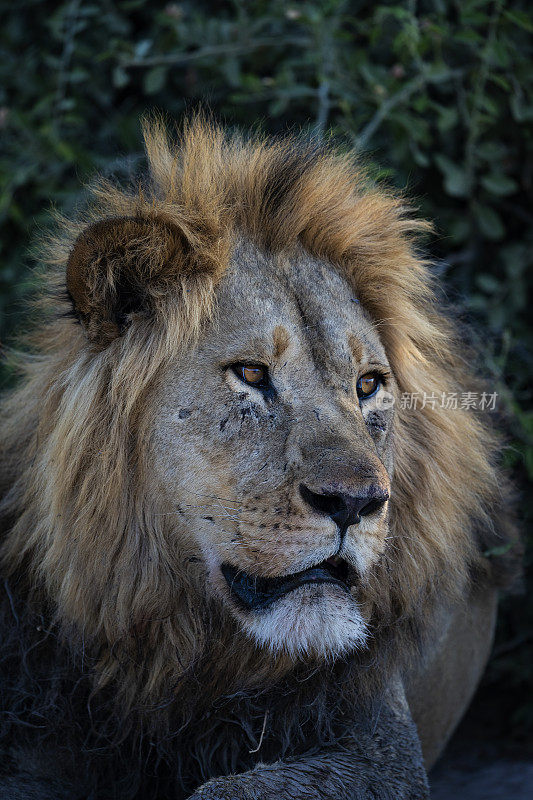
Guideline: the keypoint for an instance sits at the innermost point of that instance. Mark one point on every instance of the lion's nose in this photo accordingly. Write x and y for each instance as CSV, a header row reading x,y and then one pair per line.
x,y
345,509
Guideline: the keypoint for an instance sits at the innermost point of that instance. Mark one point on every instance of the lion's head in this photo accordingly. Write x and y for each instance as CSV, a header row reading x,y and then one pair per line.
x,y
270,446
225,436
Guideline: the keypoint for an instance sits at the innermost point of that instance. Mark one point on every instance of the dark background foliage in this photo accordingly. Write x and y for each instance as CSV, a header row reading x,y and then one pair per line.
x,y
436,95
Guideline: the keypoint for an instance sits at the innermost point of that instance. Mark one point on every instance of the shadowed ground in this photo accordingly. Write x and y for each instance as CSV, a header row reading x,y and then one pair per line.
x,y
478,778
485,760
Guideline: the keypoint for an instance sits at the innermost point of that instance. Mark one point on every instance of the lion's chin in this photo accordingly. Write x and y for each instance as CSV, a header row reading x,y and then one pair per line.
x,y
307,614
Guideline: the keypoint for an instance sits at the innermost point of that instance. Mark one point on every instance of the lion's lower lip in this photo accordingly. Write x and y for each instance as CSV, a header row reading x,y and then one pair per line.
x,y
254,592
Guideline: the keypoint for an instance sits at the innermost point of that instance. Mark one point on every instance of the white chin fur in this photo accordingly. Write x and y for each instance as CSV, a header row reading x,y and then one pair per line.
x,y
317,620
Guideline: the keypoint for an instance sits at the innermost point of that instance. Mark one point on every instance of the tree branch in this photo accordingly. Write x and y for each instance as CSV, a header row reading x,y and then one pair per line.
x,y
210,51
396,99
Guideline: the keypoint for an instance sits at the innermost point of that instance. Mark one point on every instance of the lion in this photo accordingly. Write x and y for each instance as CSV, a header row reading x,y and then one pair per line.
x,y
239,561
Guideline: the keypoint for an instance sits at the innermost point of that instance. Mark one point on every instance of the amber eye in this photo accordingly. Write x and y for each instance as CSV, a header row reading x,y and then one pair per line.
x,y
367,385
252,374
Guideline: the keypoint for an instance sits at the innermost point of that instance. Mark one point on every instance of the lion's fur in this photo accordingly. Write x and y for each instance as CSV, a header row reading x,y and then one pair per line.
x,y
81,537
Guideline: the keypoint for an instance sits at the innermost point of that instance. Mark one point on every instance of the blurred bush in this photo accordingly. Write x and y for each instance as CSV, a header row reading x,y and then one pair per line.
x,y
437,96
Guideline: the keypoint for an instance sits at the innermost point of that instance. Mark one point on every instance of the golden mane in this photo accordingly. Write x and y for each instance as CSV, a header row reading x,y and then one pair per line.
x,y
71,466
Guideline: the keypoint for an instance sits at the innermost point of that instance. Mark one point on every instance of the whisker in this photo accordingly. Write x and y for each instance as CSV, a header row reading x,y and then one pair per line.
x,y
212,496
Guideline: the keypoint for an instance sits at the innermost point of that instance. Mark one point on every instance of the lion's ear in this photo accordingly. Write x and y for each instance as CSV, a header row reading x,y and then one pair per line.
x,y
117,267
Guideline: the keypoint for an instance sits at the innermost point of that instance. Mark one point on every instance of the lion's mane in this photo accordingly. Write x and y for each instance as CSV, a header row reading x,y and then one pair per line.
x,y
86,560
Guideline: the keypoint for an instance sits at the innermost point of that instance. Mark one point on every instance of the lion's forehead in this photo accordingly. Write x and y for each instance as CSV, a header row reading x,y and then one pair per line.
x,y
301,295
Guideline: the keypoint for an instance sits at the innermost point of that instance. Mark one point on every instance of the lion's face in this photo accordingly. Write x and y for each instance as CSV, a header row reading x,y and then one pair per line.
x,y
266,455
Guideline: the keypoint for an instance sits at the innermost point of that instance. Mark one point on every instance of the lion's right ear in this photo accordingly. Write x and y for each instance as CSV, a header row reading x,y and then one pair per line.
x,y
117,267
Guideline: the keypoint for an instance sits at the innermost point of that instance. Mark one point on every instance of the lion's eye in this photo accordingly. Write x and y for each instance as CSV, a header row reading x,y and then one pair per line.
x,y
252,374
368,385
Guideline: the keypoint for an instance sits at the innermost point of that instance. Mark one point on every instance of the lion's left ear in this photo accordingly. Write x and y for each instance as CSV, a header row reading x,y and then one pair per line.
x,y
117,267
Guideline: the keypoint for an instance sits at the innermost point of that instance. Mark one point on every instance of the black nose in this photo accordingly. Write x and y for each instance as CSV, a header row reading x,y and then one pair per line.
x,y
345,509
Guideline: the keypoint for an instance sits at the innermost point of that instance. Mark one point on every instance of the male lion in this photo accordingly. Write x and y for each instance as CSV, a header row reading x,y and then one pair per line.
x,y
235,559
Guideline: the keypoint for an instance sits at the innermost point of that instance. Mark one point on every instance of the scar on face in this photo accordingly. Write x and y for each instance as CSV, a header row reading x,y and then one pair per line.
x,y
281,340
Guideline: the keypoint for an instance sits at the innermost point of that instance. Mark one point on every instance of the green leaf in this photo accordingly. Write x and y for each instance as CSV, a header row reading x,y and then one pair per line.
x,y
521,19
142,48
488,283
521,111
120,77
499,550
447,119
456,181
499,185
65,151
490,223
154,80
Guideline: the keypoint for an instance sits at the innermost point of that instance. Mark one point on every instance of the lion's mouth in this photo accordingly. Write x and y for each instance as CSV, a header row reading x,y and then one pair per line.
x,y
254,592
